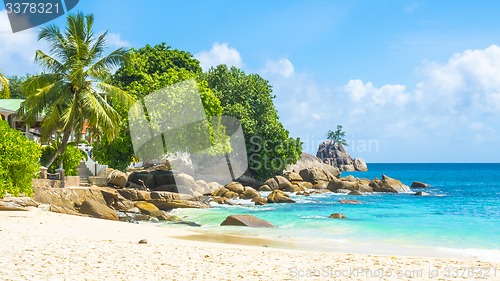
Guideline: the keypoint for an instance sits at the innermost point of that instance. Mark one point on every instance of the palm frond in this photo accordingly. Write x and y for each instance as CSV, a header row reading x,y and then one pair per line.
x,y
99,69
48,63
120,95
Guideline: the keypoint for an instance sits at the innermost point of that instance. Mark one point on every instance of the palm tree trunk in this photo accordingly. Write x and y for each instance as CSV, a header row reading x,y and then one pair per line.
x,y
61,148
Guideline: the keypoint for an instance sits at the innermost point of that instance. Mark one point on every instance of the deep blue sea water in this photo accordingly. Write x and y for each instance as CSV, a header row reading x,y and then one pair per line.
x,y
461,218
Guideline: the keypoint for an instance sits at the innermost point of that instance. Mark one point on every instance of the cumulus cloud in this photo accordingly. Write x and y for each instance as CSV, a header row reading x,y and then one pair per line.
x,y
220,53
282,67
17,50
469,81
395,94
115,40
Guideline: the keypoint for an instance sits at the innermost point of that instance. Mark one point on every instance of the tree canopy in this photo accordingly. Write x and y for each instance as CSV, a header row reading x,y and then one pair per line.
x,y
249,98
72,90
147,70
337,136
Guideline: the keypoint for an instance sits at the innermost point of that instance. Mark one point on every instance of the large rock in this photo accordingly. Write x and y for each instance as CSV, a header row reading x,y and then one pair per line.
x,y
259,201
388,184
180,163
230,195
248,179
283,183
278,196
246,220
186,183
148,209
360,165
303,184
292,176
98,210
272,183
313,175
342,184
236,187
117,178
213,186
71,198
265,187
418,184
336,156
249,193
143,178
17,203
162,177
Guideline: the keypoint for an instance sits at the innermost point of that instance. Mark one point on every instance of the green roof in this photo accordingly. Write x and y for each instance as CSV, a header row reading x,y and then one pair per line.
x,y
10,105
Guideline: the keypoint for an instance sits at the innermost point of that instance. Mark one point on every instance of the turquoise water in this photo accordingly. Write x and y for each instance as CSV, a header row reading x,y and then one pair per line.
x,y
461,218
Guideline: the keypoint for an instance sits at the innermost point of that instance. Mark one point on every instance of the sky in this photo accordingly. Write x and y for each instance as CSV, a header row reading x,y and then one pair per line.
x,y
410,81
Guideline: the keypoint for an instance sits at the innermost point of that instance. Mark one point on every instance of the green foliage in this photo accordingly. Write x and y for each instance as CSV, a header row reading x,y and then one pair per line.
x,y
147,70
71,158
249,98
18,161
72,89
337,136
15,86
4,87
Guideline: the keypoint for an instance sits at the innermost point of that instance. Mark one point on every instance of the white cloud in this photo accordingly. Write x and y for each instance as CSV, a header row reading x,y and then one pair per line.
x,y
220,53
282,67
115,40
468,81
395,94
17,50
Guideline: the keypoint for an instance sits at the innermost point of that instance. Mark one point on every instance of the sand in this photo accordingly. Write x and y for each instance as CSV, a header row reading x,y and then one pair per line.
x,y
38,245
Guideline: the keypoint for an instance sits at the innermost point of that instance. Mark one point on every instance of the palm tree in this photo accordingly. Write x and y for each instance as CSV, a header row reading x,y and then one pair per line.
x,y
4,86
66,93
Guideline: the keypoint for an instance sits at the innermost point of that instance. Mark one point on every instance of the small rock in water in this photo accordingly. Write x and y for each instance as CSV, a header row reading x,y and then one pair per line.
x,y
418,184
355,202
337,216
355,192
143,241
421,193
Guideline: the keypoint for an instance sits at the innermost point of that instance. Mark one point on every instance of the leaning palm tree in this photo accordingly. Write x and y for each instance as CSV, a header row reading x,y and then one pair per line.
x,y
4,86
71,90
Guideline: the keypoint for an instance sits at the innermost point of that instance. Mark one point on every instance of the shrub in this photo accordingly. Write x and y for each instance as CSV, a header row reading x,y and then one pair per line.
x,y
18,161
71,158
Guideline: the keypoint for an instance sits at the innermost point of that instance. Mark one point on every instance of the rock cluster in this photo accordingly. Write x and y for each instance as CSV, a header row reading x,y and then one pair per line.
x,y
336,156
151,194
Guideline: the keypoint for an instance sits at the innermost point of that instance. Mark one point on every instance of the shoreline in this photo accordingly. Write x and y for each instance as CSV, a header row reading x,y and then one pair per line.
x,y
42,245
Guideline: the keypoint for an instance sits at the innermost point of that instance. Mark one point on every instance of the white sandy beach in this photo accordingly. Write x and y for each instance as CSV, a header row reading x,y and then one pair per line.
x,y
38,245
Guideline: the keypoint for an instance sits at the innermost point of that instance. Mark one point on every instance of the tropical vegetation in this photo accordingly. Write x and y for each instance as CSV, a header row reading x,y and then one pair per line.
x,y
337,136
18,161
78,91
73,90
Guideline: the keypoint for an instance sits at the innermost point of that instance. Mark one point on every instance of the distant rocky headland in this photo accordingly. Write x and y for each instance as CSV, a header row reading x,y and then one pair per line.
x,y
335,155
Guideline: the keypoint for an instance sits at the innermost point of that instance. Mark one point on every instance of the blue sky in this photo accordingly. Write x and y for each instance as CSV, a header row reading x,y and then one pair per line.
x,y
411,81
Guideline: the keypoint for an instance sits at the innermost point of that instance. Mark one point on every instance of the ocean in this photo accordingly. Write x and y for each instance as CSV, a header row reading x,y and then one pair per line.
x,y
460,218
